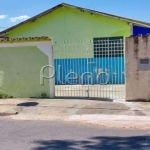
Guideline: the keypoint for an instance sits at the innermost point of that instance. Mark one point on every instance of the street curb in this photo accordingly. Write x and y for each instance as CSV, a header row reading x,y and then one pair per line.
x,y
8,114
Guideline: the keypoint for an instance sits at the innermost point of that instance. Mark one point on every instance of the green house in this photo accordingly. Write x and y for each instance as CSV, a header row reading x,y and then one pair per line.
x,y
85,42
67,22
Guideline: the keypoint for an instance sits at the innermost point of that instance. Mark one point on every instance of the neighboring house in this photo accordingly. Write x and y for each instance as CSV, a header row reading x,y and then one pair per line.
x,y
66,22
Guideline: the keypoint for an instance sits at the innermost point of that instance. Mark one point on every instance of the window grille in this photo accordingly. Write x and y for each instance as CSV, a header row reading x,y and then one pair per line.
x,y
108,47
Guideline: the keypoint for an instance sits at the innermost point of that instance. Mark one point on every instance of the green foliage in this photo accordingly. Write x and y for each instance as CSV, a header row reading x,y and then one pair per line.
x,y
4,95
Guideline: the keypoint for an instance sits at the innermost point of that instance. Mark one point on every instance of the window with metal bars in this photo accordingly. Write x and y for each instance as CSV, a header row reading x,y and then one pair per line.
x,y
108,47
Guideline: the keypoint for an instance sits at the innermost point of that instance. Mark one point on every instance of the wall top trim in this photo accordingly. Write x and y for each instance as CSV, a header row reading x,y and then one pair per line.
x,y
24,39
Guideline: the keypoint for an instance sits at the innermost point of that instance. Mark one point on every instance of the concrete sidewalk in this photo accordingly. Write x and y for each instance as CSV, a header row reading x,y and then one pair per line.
x,y
109,114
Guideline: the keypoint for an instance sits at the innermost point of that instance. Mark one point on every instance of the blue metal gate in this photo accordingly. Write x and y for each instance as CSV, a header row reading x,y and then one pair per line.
x,y
90,68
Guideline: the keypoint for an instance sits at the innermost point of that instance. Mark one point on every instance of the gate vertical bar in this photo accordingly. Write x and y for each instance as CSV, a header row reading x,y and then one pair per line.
x,y
124,54
87,66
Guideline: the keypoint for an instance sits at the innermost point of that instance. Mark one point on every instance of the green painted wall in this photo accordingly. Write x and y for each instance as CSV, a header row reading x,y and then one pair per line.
x,y
20,72
70,24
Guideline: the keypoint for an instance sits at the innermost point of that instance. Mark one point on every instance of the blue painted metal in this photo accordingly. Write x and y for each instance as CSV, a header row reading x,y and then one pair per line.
x,y
75,71
140,30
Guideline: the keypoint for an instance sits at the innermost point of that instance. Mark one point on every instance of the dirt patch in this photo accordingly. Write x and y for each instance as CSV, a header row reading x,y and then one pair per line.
x,y
105,108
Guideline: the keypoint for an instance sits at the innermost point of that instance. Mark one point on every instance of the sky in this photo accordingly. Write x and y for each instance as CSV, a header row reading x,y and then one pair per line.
x,y
15,11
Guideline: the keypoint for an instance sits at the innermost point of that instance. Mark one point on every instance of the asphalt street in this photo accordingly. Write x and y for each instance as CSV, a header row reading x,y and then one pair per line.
x,y
58,135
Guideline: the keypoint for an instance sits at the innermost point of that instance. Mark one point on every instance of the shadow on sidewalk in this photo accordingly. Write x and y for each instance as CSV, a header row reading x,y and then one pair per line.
x,y
98,143
28,104
85,98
